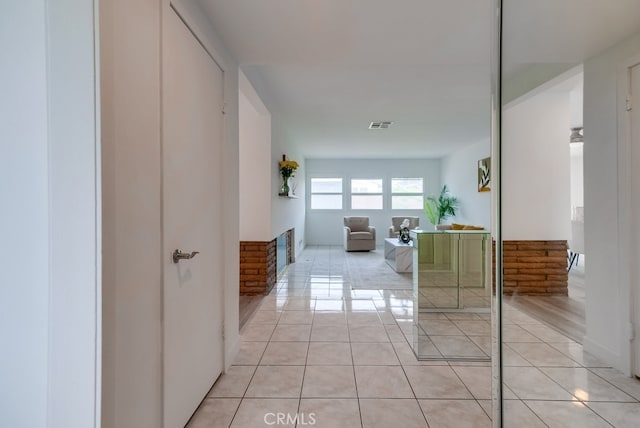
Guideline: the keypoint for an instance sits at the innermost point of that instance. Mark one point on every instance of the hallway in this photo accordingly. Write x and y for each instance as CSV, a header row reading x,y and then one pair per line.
x,y
334,356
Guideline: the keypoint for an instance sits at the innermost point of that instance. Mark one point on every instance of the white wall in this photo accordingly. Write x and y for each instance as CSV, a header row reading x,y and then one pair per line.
x,y
577,176
460,174
48,181
607,283
255,164
130,66
325,227
24,277
130,61
286,212
535,168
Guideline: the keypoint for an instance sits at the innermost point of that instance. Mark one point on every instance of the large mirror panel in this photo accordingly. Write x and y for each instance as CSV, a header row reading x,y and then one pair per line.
x,y
569,161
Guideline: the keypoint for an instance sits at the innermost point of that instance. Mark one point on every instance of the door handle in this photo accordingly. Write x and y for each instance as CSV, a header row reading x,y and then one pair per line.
x,y
179,255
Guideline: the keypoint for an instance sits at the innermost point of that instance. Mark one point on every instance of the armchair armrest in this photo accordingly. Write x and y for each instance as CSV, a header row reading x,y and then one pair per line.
x,y
373,232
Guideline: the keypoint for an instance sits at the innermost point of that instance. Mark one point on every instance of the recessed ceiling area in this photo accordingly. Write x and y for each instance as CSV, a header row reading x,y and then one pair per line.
x,y
326,68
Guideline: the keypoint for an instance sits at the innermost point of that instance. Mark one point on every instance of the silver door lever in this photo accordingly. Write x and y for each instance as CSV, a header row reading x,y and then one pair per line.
x,y
179,255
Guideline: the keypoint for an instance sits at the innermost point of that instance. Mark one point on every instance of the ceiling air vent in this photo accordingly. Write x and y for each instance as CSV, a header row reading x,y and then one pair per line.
x,y
380,125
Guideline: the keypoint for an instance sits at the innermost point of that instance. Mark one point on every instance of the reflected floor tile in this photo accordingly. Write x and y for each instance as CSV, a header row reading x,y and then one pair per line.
x,y
330,318
233,383
629,385
482,342
265,316
285,353
361,305
440,328
382,382
474,328
329,333
454,414
329,353
457,346
254,413
363,318
367,333
618,414
394,333
408,358
329,382
330,305
436,382
531,383
276,381
542,355
257,332
250,353
566,414
476,379
385,413
291,333
545,333
330,413
516,414
214,413
512,359
296,317
515,333
585,385
575,352
374,354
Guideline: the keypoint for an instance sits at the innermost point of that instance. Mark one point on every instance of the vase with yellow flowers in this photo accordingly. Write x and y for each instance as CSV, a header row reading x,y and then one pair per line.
x,y
287,169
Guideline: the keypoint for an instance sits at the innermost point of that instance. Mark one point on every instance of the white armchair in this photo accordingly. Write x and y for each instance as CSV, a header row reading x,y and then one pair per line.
x,y
358,235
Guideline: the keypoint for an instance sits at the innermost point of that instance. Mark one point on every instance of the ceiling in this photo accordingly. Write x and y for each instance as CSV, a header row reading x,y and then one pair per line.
x,y
327,68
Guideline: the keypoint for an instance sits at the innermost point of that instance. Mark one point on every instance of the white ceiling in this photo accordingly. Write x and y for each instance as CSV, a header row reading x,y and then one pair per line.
x,y
327,68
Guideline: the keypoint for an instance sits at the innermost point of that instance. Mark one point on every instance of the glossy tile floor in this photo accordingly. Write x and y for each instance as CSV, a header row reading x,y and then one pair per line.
x,y
319,353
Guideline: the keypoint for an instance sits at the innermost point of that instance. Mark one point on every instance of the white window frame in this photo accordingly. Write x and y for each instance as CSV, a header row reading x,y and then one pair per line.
x,y
312,193
392,193
352,193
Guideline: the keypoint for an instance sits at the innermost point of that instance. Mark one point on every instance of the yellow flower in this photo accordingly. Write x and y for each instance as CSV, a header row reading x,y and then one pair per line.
x,y
289,164
287,168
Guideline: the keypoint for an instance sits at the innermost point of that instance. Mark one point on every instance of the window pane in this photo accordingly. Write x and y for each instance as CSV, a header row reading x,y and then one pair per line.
x,y
326,202
366,202
406,185
366,186
407,202
326,185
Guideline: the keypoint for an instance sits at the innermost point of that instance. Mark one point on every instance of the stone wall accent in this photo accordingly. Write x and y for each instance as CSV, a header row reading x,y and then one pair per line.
x,y
291,246
257,267
535,267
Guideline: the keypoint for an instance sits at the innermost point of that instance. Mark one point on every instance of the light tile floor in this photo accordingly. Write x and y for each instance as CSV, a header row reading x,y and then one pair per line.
x,y
320,353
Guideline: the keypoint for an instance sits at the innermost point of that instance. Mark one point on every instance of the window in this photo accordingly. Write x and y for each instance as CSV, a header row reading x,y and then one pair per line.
x,y
366,194
326,193
407,194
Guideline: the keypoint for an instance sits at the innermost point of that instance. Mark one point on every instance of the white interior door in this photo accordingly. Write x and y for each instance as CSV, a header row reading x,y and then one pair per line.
x,y
192,217
634,117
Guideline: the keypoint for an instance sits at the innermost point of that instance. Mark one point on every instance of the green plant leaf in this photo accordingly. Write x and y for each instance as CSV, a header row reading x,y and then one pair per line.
x,y
441,208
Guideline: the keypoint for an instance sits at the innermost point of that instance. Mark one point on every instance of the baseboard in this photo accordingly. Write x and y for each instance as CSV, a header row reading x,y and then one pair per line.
x,y
601,352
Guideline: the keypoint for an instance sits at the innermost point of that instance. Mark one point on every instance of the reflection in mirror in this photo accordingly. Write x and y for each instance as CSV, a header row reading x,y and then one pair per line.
x,y
567,174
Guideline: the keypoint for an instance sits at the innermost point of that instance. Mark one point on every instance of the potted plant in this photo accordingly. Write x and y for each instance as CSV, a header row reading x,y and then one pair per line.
x,y
440,208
